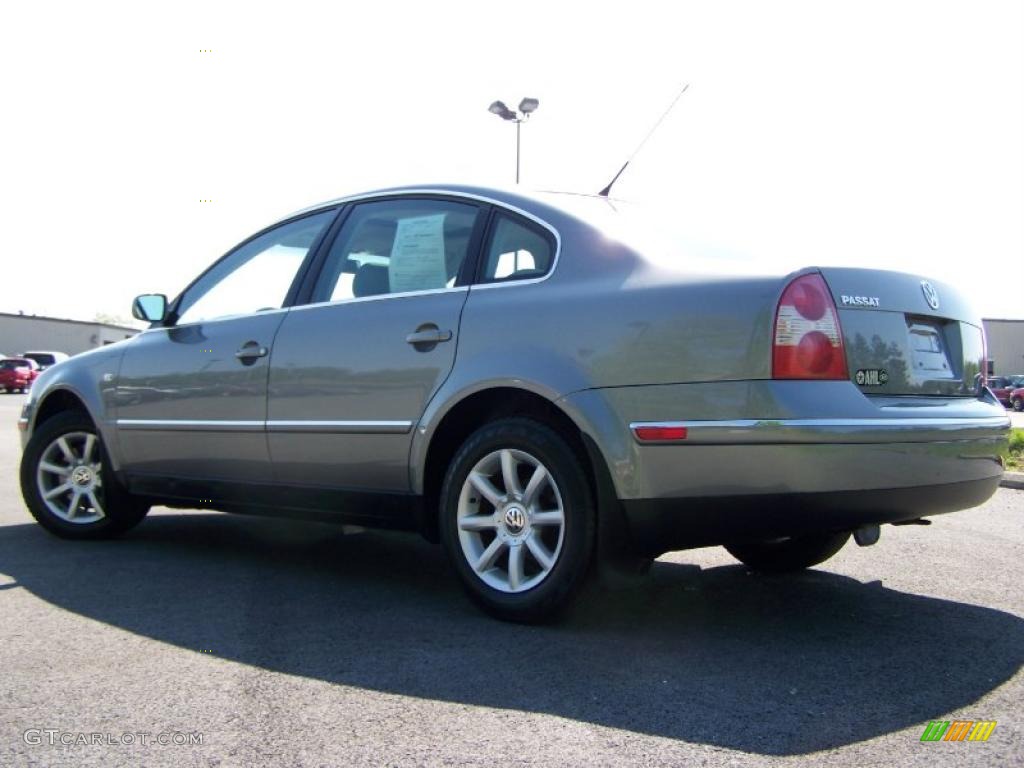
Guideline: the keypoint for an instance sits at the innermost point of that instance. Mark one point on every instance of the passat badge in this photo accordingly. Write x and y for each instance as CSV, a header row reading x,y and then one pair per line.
x,y
930,294
860,301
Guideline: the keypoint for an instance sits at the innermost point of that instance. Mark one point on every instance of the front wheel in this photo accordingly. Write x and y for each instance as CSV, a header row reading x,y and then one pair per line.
x,y
791,553
67,483
517,519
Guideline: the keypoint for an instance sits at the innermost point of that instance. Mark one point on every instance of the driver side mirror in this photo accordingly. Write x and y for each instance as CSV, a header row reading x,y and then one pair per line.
x,y
150,307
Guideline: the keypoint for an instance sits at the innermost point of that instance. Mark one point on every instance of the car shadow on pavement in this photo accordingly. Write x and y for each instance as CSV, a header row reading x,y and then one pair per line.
x,y
777,666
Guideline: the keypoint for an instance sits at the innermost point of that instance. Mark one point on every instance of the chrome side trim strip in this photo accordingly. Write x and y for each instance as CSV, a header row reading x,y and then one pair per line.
x,y
219,425
197,425
824,431
342,427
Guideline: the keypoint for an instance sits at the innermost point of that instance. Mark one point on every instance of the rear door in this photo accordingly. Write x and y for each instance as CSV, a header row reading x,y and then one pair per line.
x,y
905,335
352,370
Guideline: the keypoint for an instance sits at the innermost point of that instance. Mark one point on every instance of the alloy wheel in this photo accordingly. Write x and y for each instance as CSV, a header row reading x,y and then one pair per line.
x,y
69,477
511,520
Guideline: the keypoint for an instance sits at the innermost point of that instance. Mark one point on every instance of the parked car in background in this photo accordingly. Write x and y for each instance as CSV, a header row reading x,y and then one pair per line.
x,y
609,399
1001,386
1017,399
17,373
45,358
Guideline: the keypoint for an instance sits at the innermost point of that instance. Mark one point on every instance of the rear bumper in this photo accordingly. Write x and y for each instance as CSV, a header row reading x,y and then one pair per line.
x,y
666,524
764,458
734,480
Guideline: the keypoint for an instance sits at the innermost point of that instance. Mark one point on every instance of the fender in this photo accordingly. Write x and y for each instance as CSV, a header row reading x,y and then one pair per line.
x,y
531,369
92,379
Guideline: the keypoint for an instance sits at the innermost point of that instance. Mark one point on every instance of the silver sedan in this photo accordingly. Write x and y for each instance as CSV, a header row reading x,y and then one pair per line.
x,y
531,382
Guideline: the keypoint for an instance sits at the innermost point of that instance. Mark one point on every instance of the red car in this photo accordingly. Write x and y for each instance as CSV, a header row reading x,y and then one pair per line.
x,y
1017,399
18,373
1001,387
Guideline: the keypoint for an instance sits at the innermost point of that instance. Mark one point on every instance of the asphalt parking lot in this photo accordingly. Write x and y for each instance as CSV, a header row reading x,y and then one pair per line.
x,y
298,645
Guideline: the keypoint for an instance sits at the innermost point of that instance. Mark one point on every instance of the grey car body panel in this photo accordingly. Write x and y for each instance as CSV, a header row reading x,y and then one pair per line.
x,y
349,361
612,340
190,373
90,377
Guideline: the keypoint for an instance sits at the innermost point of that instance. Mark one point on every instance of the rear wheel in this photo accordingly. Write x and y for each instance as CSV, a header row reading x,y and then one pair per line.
x,y
791,553
67,483
517,519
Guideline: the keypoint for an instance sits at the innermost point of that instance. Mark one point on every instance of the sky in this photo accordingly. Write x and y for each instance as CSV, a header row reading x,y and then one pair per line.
x,y
877,134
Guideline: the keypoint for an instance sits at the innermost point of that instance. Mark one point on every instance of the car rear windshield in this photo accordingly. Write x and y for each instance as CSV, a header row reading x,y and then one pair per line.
x,y
42,358
11,364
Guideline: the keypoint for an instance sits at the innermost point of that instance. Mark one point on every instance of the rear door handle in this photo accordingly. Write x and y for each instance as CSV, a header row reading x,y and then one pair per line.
x,y
250,352
428,334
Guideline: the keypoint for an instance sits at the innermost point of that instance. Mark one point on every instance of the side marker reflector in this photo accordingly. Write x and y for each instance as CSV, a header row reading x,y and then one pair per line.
x,y
659,434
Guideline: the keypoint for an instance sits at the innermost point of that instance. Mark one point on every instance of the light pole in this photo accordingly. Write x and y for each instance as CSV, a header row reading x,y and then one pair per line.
x,y
526,108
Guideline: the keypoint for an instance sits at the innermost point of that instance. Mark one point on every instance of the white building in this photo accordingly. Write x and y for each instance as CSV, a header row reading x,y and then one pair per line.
x,y
1005,346
20,333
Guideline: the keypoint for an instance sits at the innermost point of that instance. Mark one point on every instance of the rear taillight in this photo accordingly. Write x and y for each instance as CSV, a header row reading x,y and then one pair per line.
x,y
808,341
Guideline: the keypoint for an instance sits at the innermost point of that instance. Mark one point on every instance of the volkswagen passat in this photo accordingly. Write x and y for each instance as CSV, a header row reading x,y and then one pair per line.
x,y
531,382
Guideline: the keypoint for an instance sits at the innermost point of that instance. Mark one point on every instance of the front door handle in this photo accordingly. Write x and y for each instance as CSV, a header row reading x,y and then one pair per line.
x,y
428,334
250,352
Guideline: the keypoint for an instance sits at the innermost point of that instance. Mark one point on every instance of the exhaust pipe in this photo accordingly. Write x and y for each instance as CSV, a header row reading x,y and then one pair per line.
x,y
866,535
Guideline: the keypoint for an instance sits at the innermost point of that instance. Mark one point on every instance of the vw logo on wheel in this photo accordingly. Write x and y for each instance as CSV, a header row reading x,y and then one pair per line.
x,y
81,476
515,519
930,294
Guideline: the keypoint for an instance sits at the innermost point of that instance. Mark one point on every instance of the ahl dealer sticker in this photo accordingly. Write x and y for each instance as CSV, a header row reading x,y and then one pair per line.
x,y
871,377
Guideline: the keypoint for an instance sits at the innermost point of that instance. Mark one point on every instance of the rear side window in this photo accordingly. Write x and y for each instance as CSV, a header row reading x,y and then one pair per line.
x,y
518,250
397,246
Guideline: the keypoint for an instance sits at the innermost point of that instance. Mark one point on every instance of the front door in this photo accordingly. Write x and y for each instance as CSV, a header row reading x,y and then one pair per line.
x,y
192,396
351,372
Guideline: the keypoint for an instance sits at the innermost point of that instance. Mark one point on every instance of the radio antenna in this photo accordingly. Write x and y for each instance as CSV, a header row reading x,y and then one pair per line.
x,y
604,192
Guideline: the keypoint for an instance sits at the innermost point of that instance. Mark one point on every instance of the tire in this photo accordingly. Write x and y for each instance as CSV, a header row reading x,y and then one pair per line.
x,y
94,505
516,556
789,554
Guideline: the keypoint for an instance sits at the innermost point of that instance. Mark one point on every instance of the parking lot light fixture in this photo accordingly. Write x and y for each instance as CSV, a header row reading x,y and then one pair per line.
x,y
526,107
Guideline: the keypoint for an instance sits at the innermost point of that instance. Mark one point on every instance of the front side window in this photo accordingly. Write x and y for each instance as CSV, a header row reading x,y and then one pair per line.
x,y
256,276
517,251
397,246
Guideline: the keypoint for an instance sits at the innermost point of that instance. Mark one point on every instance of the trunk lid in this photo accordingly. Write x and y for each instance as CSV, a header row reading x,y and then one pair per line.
x,y
906,335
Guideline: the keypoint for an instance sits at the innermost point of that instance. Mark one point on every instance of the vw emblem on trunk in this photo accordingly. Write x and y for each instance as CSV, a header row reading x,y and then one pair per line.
x,y
930,294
